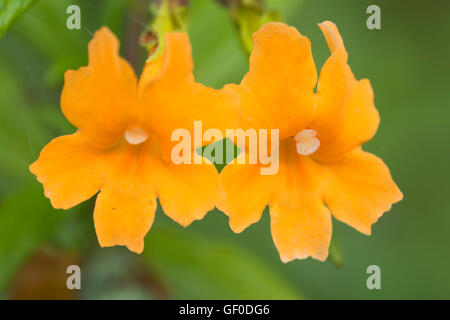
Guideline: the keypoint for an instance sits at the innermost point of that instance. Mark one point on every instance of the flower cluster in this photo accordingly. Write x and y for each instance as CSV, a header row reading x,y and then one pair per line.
x,y
123,144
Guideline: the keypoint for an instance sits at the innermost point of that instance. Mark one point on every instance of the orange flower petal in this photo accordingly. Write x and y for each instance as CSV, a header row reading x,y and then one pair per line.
x,y
301,228
152,69
70,169
123,215
346,116
187,191
360,189
247,194
125,208
175,100
300,222
100,99
277,92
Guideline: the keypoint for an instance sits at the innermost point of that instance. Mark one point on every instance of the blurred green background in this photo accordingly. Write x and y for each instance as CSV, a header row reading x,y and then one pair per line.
x,y
408,64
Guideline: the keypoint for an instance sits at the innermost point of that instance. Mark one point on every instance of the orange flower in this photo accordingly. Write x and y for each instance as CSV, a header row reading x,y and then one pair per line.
x,y
123,142
322,166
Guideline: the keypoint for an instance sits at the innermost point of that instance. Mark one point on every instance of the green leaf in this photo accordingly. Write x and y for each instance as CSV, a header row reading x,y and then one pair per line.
x,y
249,17
10,10
194,267
167,17
218,57
113,15
21,133
226,149
26,220
66,49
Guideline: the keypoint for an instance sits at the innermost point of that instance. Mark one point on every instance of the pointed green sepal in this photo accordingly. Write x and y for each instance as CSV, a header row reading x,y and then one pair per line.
x,y
169,16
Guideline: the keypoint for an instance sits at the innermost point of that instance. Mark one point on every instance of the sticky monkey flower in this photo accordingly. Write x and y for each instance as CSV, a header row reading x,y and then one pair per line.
x,y
323,169
123,142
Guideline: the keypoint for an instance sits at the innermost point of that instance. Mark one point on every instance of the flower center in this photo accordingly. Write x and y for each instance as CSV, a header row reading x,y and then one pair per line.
x,y
307,142
135,135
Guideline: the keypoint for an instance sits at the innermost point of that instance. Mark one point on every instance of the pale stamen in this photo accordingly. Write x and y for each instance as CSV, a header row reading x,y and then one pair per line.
x,y
307,142
135,135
